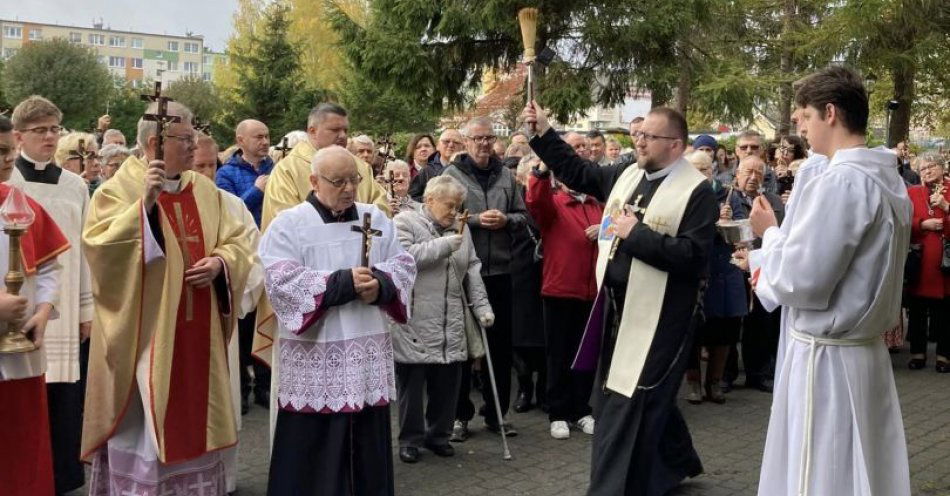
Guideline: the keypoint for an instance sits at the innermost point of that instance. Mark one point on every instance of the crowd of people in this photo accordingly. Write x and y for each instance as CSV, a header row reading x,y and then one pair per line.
x,y
171,283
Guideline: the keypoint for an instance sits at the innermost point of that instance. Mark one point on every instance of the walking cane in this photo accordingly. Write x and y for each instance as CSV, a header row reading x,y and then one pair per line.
x,y
506,453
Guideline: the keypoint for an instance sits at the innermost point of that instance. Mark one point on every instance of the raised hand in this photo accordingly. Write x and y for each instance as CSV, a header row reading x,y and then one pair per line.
x,y
154,180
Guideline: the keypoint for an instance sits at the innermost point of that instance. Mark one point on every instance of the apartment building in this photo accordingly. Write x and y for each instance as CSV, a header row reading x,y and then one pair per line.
x,y
136,57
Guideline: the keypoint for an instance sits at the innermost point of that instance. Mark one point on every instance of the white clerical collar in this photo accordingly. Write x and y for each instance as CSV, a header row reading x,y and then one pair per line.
x,y
172,185
36,163
653,176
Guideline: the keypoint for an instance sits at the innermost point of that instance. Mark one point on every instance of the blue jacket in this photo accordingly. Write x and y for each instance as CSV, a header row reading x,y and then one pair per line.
x,y
726,291
237,177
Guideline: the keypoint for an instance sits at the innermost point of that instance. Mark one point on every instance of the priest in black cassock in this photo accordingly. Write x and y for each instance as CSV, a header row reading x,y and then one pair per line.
x,y
654,240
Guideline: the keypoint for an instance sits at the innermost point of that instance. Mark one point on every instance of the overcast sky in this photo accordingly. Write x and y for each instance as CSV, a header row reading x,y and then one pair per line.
x,y
211,18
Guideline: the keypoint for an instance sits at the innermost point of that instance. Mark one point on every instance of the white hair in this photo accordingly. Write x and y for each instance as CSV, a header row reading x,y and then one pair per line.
x,y
393,164
444,186
477,121
112,132
526,163
363,140
699,158
295,137
113,150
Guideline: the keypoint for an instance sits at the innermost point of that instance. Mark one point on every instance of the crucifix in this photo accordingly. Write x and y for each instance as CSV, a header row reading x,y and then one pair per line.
x,y
161,117
80,154
463,220
183,240
368,232
390,181
204,127
282,148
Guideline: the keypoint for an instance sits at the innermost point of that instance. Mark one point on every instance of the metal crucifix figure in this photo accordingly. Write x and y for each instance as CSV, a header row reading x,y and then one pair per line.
x,y
368,232
161,117
283,148
80,154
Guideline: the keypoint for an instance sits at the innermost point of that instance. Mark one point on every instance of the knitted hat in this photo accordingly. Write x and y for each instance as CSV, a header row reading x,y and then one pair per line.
x,y
705,140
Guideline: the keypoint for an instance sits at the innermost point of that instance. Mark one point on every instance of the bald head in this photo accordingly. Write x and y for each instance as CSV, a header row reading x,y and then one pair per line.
x,y
253,138
333,158
579,143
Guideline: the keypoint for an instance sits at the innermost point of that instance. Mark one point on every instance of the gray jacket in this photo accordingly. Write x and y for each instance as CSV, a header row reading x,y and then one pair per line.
x,y
492,247
436,332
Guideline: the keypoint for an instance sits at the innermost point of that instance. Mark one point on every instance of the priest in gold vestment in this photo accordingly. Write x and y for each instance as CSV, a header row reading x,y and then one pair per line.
x,y
167,263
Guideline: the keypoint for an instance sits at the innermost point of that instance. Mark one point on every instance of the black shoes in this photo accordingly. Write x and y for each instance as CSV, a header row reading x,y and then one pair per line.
x,y
443,450
245,404
523,403
262,398
510,430
917,363
409,454
942,367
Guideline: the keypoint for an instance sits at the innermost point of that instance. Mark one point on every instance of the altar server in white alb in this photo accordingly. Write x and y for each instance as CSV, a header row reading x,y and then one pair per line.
x,y
836,424
335,351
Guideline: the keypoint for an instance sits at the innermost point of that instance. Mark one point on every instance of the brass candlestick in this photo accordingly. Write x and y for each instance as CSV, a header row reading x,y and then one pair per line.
x,y
17,216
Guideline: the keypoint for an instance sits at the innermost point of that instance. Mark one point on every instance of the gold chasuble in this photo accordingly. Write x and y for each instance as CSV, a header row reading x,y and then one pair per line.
x,y
288,186
646,287
149,321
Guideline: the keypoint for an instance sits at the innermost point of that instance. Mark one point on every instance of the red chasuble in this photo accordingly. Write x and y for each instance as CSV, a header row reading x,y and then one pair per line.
x,y
26,462
186,419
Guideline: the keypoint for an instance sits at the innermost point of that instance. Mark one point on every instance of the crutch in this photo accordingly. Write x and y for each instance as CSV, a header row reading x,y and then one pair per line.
x,y
506,455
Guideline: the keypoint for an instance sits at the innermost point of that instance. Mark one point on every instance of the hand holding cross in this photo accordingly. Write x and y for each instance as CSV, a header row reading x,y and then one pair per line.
x,y
161,117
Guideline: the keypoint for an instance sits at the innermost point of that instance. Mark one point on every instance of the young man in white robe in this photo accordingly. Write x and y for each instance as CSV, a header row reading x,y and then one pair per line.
x,y
335,351
65,196
836,424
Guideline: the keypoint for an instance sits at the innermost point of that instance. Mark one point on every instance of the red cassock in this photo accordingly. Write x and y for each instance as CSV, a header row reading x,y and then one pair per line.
x,y
26,462
932,282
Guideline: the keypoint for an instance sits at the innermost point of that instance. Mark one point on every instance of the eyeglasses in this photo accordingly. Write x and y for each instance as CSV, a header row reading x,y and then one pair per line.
x,y
43,130
749,147
185,140
341,183
483,139
650,137
451,142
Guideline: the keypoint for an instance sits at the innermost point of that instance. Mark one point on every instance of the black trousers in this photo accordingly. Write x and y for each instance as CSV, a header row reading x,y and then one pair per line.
x,y
64,401
427,393
760,333
464,408
245,345
568,390
928,317
527,361
332,454
499,343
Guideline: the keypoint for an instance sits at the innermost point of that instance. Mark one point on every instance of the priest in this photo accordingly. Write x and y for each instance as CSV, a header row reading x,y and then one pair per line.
x,y
26,455
168,262
288,186
65,196
836,424
334,270
653,243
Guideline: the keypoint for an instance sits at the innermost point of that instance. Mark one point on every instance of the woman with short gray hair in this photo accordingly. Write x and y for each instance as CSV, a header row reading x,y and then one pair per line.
x,y
432,348
111,158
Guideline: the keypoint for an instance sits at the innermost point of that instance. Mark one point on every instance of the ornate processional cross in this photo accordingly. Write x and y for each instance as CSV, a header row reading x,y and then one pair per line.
x,y
161,117
183,240
368,232
390,181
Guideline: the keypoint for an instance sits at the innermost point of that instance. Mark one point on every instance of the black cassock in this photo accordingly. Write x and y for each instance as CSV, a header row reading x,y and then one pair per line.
x,y
642,445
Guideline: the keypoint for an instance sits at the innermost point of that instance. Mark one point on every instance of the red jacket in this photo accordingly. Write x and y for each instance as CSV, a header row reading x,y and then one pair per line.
x,y
570,258
932,282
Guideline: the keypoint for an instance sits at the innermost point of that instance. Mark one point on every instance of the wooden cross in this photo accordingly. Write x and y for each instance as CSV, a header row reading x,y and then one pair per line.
x,y
80,153
183,240
390,181
368,232
463,220
161,117
282,148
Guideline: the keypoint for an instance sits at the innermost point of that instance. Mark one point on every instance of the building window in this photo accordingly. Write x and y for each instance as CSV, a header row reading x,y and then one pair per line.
x,y
97,39
136,63
206,76
191,47
117,62
36,34
75,37
205,60
172,66
191,67
117,41
172,46
137,43
12,32
136,83
9,52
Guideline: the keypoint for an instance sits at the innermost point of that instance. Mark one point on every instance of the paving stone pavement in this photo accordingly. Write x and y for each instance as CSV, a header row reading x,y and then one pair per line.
x,y
729,439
